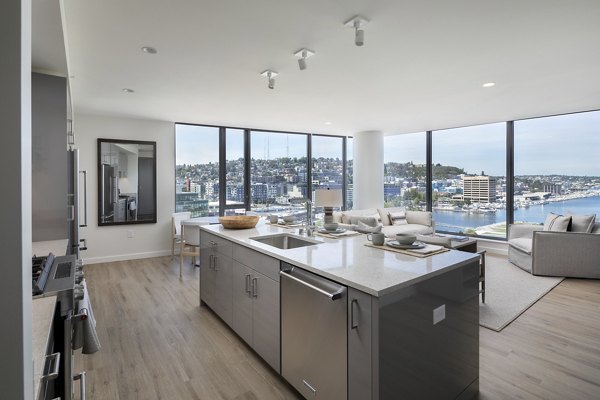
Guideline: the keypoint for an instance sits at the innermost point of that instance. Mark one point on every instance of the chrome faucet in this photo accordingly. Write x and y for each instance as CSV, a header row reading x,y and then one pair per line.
x,y
309,221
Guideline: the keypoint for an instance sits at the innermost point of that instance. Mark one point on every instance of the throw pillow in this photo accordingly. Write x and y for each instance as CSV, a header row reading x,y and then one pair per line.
x,y
419,218
582,223
556,223
384,214
398,218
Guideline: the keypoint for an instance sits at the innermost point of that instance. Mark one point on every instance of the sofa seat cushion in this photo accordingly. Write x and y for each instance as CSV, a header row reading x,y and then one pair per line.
x,y
522,244
392,230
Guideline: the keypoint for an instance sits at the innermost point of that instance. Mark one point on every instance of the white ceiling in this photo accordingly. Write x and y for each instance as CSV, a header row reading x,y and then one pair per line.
x,y
422,65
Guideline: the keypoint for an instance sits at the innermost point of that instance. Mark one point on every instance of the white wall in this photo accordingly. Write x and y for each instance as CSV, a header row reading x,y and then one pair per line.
x,y
110,243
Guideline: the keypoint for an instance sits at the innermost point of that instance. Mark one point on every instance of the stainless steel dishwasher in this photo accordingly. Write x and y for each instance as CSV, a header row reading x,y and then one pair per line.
x,y
314,355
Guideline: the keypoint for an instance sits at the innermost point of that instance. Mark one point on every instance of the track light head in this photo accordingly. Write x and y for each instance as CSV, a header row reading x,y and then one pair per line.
x,y
270,75
357,23
302,63
359,37
302,55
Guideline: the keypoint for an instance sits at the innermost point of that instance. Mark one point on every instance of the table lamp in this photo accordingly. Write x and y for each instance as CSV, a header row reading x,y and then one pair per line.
x,y
328,199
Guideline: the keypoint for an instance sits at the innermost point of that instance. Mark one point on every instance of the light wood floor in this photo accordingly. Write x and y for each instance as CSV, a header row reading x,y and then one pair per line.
x,y
159,344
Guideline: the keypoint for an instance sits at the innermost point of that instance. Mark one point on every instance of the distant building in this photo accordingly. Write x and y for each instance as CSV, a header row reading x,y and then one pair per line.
x,y
480,188
189,201
554,188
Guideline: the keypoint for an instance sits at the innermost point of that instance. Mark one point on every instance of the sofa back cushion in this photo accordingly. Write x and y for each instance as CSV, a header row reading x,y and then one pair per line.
x,y
419,217
368,212
557,223
582,223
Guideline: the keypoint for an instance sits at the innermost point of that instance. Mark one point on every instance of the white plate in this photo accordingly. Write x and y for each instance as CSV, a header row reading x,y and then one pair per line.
x,y
337,231
396,245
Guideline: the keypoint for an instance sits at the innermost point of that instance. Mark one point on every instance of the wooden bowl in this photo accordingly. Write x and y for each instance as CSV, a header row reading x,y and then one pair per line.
x,y
239,221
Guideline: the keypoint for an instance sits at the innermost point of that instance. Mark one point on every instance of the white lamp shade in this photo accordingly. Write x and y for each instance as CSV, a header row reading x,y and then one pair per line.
x,y
328,197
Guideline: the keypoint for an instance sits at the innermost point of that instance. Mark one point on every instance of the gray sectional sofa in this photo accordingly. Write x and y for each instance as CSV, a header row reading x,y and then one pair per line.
x,y
392,220
542,252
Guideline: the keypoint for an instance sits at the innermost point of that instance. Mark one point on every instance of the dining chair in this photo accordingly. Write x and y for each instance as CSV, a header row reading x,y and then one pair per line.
x,y
189,244
176,219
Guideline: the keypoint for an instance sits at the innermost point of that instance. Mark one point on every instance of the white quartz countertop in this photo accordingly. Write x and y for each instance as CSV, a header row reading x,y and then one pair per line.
x,y
348,261
56,247
42,310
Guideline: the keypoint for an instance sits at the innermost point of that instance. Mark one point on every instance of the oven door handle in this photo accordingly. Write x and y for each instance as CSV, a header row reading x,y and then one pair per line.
x,y
81,377
52,374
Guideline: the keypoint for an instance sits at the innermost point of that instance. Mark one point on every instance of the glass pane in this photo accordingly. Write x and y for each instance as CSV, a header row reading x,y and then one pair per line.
x,y
405,174
278,171
197,170
556,167
234,167
349,172
327,165
469,168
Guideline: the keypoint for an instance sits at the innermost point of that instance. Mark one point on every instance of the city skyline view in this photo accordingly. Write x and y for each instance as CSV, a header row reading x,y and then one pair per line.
x,y
553,164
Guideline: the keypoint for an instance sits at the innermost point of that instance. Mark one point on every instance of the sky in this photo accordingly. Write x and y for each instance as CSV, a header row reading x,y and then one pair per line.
x,y
199,144
565,145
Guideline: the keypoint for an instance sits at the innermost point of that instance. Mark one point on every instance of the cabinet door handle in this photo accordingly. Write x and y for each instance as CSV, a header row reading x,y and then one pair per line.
x,y
353,314
215,263
254,287
210,261
52,369
248,285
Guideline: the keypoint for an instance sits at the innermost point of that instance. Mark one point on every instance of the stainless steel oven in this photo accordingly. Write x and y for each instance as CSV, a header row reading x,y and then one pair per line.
x,y
61,277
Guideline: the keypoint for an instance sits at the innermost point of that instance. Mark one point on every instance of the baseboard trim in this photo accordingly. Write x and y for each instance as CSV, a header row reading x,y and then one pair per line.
x,y
125,257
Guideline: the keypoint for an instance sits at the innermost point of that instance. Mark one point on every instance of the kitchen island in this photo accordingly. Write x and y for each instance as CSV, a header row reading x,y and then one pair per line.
x,y
412,323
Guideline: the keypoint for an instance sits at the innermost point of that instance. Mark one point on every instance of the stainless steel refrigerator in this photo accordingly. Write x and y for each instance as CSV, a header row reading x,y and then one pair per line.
x,y
77,202
109,192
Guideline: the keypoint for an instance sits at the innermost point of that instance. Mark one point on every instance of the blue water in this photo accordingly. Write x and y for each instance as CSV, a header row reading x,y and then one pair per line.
x,y
456,221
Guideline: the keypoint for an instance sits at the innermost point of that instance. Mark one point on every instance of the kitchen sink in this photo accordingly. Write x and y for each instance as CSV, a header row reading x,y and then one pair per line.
x,y
285,241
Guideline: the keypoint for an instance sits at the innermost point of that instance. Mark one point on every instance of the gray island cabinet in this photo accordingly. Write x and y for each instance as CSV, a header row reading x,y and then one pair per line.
x,y
412,323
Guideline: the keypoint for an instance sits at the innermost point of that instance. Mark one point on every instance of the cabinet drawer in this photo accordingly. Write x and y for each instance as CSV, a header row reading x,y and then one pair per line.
x,y
217,243
266,265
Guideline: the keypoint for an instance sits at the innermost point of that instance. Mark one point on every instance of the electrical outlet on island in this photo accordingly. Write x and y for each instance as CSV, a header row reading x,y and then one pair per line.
x,y
130,234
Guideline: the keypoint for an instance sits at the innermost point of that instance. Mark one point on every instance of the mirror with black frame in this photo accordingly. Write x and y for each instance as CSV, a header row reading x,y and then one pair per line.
x,y
126,182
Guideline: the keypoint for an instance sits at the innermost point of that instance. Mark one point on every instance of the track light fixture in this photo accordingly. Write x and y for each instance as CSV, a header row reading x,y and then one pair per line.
x,y
302,55
357,23
270,75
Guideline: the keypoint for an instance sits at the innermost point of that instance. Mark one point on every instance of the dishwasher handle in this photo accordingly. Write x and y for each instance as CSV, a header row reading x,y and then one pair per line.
x,y
332,295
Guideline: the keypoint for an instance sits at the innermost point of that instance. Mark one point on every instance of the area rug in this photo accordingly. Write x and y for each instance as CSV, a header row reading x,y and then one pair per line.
x,y
509,292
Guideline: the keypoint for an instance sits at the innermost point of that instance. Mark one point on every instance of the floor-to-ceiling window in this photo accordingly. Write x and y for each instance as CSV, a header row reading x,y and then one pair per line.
x,y
556,166
279,170
234,169
468,182
197,169
349,173
327,163
405,171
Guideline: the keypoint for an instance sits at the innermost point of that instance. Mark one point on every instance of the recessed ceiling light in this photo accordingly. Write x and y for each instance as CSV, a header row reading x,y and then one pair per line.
x,y
489,84
149,50
327,123
127,90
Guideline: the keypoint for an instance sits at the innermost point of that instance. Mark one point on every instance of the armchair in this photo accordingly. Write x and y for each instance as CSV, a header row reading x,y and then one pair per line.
x,y
570,254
